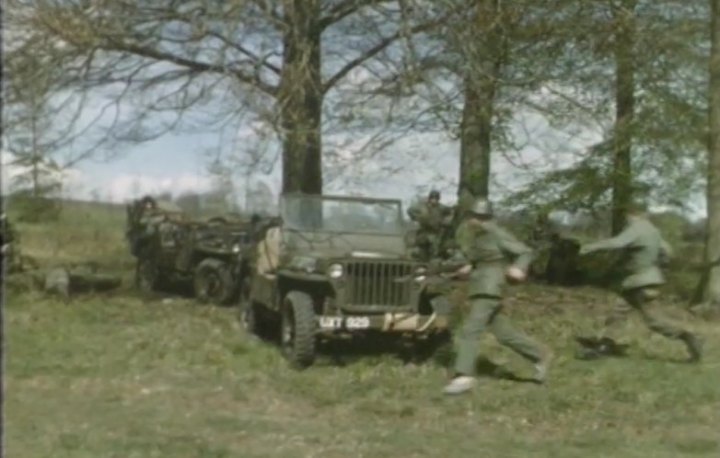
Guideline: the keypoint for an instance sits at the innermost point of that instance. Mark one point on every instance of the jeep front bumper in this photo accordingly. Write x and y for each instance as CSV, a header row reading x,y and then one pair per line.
x,y
388,322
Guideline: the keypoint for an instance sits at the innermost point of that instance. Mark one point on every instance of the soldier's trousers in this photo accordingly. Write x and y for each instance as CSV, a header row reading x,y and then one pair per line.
x,y
486,315
640,300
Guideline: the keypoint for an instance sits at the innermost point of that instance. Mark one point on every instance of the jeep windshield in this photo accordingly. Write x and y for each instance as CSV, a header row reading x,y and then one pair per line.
x,y
342,214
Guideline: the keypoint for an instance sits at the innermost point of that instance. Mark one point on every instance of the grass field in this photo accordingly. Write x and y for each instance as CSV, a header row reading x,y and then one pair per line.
x,y
118,375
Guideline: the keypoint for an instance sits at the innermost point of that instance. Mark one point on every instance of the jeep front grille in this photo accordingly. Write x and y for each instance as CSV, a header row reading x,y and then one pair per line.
x,y
378,284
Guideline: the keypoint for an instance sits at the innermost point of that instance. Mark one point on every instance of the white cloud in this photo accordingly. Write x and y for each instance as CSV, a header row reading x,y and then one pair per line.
x,y
72,179
119,188
128,186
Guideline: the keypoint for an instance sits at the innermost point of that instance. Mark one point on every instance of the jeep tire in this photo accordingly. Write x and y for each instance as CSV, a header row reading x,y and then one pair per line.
x,y
213,282
298,328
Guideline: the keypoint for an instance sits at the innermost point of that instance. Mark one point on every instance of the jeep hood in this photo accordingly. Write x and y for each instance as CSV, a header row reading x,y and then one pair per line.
x,y
340,245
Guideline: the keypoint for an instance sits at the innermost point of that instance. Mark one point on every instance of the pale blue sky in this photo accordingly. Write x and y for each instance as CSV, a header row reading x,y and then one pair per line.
x,y
177,163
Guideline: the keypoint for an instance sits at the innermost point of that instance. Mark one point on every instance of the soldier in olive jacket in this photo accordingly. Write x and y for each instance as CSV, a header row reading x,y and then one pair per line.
x,y
486,247
644,250
432,217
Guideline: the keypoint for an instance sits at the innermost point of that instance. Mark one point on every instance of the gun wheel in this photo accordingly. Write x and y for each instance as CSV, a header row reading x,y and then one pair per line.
x,y
213,282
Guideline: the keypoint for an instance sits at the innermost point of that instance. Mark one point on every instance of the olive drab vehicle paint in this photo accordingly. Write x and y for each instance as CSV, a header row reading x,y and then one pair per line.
x,y
210,255
340,266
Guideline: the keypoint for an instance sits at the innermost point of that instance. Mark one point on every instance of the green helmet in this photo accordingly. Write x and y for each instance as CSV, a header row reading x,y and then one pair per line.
x,y
481,207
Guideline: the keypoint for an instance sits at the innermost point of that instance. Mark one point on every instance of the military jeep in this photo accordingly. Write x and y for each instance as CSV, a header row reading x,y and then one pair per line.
x,y
209,255
339,266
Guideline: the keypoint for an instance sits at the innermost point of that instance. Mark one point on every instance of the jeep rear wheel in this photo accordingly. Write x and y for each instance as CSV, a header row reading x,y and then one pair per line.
x,y
213,282
298,329
147,275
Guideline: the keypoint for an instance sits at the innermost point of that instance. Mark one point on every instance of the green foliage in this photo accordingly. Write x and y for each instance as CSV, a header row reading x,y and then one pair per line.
x,y
584,186
672,225
30,209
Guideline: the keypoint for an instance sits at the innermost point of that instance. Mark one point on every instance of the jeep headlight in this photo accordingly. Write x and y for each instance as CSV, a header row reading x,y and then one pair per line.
x,y
335,271
236,248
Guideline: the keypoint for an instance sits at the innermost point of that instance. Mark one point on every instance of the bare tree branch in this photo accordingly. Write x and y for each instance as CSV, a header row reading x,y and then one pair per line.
x,y
375,50
346,8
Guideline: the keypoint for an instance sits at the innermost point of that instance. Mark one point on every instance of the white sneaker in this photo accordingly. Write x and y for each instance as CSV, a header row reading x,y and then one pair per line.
x,y
542,367
459,385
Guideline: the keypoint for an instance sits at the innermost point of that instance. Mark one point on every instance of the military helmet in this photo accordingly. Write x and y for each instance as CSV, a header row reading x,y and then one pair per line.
x,y
481,207
434,194
147,199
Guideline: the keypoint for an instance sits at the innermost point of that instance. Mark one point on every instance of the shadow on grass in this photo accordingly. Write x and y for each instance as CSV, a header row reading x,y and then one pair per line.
x,y
177,290
343,351
439,352
666,359
487,368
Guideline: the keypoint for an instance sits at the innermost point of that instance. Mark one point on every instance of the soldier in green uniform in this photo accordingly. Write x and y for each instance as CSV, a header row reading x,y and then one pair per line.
x,y
143,221
149,216
644,250
10,252
433,218
487,247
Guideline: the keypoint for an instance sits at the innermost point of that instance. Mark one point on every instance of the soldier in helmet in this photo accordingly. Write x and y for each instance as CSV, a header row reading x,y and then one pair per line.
x,y
145,222
644,251
433,218
486,247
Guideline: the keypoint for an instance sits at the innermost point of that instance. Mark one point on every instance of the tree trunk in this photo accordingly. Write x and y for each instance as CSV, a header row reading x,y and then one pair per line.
x,y
711,290
475,139
300,98
35,161
622,179
480,85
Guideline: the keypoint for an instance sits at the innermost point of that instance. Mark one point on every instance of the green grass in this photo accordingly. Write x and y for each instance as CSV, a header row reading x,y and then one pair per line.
x,y
118,375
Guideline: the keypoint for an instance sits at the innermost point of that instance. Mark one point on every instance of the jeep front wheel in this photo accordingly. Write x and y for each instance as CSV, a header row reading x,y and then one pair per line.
x,y
298,329
213,282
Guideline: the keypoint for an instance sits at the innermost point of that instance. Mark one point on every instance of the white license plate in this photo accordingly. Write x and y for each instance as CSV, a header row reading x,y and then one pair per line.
x,y
350,323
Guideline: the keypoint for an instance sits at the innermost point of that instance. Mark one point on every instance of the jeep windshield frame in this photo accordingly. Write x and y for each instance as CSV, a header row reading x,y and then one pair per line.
x,y
341,214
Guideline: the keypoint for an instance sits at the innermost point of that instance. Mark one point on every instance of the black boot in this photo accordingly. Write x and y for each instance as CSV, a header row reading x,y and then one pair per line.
x,y
595,348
